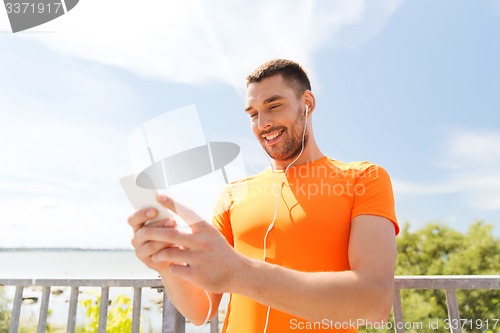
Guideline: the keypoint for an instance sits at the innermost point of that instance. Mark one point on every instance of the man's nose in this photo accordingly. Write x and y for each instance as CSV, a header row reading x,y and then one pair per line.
x,y
264,121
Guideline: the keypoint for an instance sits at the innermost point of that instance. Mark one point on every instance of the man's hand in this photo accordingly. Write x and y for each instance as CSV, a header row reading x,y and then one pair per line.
x,y
203,257
144,247
185,279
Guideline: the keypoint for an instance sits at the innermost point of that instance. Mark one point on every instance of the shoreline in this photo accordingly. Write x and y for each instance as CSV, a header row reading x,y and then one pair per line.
x,y
62,249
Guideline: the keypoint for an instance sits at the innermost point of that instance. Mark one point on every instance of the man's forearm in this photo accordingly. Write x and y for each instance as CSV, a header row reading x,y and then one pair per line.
x,y
191,301
363,292
337,296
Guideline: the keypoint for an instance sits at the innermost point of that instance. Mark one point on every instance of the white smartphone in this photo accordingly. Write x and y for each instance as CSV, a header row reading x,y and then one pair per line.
x,y
142,198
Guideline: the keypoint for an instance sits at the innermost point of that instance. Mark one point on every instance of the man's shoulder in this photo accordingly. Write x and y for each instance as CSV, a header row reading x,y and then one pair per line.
x,y
353,165
250,178
356,170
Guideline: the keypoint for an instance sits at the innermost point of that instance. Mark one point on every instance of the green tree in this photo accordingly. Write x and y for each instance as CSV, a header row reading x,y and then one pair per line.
x,y
119,315
4,312
438,250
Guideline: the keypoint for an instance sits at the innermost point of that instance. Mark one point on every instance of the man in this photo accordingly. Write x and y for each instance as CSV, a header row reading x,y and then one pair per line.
x,y
308,244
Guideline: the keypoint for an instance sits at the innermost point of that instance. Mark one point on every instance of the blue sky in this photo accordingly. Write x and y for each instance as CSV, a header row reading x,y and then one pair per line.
x,y
411,85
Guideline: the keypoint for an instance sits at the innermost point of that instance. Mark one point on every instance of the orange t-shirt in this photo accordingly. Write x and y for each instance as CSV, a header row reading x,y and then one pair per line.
x,y
316,204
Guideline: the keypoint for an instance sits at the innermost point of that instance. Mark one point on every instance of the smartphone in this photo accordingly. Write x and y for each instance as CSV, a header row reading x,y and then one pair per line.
x,y
142,198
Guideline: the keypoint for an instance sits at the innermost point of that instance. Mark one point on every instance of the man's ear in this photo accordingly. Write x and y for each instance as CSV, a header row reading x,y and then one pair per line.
x,y
309,102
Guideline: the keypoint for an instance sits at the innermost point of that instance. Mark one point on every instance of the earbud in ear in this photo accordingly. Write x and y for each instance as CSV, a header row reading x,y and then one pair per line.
x,y
307,109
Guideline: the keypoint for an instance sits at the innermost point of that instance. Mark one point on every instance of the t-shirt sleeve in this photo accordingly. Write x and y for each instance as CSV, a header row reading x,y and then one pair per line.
x,y
221,217
373,195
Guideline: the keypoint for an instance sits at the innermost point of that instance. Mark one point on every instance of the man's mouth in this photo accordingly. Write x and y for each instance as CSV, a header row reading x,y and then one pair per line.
x,y
273,137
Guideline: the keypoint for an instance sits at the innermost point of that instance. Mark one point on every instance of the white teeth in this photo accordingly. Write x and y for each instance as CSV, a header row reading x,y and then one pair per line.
x,y
270,137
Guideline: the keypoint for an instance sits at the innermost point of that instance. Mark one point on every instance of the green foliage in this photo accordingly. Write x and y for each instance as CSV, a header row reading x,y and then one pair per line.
x,y
4,312
438,250
119,315
28,325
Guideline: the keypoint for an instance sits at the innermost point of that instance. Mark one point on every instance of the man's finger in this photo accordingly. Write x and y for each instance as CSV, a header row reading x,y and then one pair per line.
x,y
176,236
180,209
182,271
139,218
172,254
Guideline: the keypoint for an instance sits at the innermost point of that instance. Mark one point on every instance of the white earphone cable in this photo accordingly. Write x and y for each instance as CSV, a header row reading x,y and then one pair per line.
x,y
207,318
271,225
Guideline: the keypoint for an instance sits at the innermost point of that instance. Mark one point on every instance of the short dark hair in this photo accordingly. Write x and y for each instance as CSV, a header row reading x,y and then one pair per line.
x,y
292,72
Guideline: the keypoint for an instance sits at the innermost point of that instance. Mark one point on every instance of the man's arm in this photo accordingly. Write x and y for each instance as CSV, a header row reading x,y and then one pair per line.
x,y
364,292
190,300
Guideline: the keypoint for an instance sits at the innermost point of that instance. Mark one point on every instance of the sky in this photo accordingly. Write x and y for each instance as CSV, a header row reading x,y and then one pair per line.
x,y
413,86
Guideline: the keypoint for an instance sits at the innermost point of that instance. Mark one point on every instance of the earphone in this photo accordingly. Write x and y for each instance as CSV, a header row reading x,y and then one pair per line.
x,y
271,225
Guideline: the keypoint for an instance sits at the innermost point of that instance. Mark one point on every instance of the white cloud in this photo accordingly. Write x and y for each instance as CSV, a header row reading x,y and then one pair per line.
x,y
59,187
471,158
48,221
475,147
4,22
62,151
61,155
192,41
59,184
405,187
496,5
477,152
58,149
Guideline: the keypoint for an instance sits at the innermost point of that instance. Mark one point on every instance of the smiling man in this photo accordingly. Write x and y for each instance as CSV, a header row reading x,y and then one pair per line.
x,y
279,132
308,244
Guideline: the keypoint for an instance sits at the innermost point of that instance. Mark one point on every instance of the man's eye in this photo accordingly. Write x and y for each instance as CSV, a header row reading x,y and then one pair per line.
x,y
274,106
253,115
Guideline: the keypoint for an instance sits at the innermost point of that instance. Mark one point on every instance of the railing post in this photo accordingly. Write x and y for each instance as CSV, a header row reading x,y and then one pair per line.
x,y
173,321
16,310
214,323
136,310
44,310
397,309
103,310
453,313
73,302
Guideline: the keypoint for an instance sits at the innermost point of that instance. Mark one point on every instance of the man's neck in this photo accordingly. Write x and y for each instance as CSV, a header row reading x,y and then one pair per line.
x,y
310,153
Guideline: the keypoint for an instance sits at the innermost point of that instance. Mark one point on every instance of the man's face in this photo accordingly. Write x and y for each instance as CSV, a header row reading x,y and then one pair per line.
x,y
277,116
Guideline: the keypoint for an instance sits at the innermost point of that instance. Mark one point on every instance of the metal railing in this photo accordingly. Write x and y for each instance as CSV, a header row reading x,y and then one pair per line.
x,y
450,284
174,322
